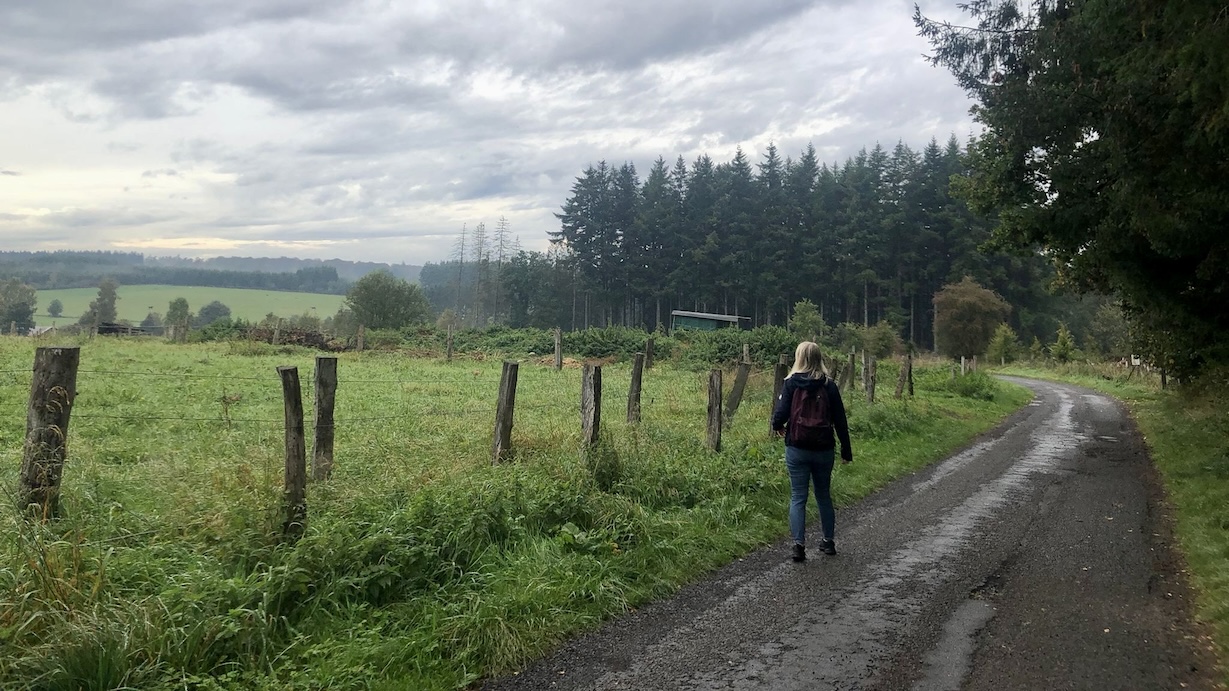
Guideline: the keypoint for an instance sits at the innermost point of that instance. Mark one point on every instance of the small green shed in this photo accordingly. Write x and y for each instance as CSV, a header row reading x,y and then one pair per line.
x,y
703,321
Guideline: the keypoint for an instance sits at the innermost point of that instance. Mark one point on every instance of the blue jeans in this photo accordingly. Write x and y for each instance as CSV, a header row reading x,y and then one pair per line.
x,y
806,467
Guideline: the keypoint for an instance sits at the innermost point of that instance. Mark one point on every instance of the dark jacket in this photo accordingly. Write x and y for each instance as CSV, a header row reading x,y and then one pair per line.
x,y
836,408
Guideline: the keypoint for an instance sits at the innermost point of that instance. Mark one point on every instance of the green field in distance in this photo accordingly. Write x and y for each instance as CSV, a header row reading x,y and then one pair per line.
x,y
136,301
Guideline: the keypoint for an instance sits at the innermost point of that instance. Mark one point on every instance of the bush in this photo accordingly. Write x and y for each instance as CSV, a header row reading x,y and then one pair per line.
x,y
977,385
611,341
702,349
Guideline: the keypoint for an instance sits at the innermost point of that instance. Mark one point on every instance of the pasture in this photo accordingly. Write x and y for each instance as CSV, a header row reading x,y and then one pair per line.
x,y
135,302
423,565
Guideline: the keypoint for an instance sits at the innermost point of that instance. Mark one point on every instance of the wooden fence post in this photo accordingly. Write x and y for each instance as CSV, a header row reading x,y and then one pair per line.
x,y
747,353
558,349
870,378
779,372
504,407
448,346
633,391
326,395
866,371
736,391
909,365
713,437
648,353
13,328
900,381
277,332
362,333
849,372
294,496
52,391
963,366
590,404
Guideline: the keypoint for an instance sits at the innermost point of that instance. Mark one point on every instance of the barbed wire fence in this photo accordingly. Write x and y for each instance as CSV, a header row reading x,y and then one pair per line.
x,y
53,383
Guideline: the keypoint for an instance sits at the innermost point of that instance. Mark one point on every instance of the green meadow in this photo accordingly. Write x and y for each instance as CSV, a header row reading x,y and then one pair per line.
x,y
423,565
136,301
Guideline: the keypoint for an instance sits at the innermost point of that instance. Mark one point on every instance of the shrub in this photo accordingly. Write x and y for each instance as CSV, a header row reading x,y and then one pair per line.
x,y
977,385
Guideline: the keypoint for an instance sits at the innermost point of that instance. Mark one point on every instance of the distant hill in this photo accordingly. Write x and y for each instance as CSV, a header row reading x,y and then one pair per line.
x,y
70,269
347,270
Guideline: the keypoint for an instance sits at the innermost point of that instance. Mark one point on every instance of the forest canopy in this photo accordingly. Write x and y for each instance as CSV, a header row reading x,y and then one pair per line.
x,y
1107,147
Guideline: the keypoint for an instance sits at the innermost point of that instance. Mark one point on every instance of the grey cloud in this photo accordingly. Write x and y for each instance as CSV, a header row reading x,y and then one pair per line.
x,y
162,172
101,218
353,55
389,133
9,172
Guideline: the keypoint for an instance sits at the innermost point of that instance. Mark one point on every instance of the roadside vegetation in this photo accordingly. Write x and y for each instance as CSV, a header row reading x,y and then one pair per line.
x,y
423,566
1187,432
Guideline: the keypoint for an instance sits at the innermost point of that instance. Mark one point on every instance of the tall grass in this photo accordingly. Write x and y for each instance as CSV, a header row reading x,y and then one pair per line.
x,y
423,566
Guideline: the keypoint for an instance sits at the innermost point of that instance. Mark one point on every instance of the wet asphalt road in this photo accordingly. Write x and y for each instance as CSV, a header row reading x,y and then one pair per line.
x,y
1037,558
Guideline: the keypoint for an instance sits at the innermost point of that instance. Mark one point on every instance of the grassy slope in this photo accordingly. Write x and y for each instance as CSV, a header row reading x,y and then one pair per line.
x,y
1187,432
135,301
423,566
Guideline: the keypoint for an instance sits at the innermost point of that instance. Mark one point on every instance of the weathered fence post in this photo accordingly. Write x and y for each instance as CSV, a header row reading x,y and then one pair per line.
x,y
633,391
900,380
871,376
504,407
909,365
849,372
294,496
326,394
448,346
52,391
590,404
747,353
974,368
13,328
866,371
362,333
779,372
736,391
277,332
963,366
713,437
648,353
558,349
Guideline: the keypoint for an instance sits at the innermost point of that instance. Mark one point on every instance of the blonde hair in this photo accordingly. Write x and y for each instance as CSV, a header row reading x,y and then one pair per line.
x,y
808,360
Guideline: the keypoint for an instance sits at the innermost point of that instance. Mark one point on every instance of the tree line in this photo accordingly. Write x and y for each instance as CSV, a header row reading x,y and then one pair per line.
x,y
1107,148
869,240
86,269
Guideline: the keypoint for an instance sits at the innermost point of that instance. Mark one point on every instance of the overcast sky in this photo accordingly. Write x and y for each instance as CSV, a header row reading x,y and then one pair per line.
x,y
373,130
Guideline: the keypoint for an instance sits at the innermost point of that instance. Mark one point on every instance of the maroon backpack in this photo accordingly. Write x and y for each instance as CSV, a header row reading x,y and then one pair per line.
x,y
810,422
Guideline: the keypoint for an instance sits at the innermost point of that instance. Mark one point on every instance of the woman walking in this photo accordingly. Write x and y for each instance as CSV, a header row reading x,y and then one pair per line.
x,y
810,415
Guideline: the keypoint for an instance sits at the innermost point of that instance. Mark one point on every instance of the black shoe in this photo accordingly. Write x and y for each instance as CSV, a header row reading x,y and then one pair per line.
x,y
827,546
800,553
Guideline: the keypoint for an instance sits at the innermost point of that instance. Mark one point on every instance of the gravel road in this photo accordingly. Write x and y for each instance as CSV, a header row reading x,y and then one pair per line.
x,y
1037,558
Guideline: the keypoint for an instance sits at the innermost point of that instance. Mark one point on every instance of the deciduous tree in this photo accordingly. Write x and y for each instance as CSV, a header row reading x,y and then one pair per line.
x,y
966,315
380,300
17,302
